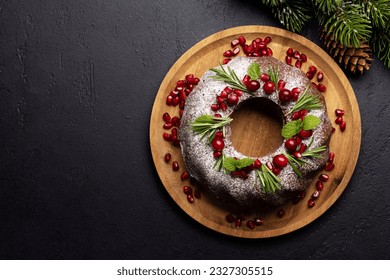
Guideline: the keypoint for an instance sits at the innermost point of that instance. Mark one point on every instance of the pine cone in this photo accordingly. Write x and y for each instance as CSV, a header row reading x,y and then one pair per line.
x,y
352,59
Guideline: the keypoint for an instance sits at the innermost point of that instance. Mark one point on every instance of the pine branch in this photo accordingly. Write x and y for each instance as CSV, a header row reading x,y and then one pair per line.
x,y
381,45
378,11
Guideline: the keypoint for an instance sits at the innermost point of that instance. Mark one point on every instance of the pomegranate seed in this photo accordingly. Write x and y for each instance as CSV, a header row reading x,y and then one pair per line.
x,y
175,121
319,186
234,42
264,77
197,194
321,87
181,112
167,157
175,101
258,221
224,94
237,223
248,49
219,134
175,165
333,129
269,87
281,84
276,171
217,154
302,194
252,85
329,166
179,88
343,125
296,199
230,218
297,155
298,140
339,112
302,148
215,107
220,99
233,99
228,53
280,161
169,100
288,60
281,213
303,112
296,55
331,157
311,203
291,145
310,75
290,52
174,132
187,190
316,194
312,69
237,92
269,52
295,116
320,76
218,144
236,51
303,57
218,115
241,216
241,40
167,136
257,163
324,178
339,120
314,84
246,79
190,198
226,61
296,90
223,106
269,166
166,117
267,40
305,133
298,64
185,175
183,95
250,224
168,125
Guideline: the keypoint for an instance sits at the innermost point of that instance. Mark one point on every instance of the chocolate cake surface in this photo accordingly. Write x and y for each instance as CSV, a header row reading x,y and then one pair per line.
x,y
198,154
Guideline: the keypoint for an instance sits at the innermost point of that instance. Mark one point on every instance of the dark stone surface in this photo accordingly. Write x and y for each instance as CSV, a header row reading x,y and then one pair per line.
x,y
77,84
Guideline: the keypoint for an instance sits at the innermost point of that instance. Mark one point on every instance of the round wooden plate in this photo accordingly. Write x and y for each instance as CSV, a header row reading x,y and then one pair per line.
x,y
346,145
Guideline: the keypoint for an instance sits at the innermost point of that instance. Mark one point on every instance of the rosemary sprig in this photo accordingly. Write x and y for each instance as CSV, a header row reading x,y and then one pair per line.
x,y
273,74
207,125
219,163
306,101
315,153
295,163
268,179
229,77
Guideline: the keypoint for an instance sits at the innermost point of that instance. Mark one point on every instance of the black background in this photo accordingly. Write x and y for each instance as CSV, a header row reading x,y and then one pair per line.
x,y
77,84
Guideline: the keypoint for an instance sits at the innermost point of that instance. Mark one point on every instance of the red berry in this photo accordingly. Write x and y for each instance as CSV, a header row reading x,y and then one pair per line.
x,y
311,203
331,157
339,112
305,133
190,198
319,186
264,77
298,64
288,60
166,117
215,107
217,154
291,145
246,79
329,166
218,144
228,53
296,55
269,87
303,57
281,84
324,178
343,125
312,69
175,165
257,164
241,40
219,134
310,75
321,87
252,85
339,120
233,99
226,61
187,190
167,157
290,52
285,95
280,161
167,136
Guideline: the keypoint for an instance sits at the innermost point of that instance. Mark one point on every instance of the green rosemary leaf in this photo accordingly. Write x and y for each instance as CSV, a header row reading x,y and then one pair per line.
x,y
229,77
254,71
306,101
291,128
273,74
316,152
310,122
207,126
269,181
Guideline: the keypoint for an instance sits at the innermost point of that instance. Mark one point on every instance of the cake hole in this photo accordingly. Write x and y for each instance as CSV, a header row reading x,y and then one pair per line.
x,y
256,127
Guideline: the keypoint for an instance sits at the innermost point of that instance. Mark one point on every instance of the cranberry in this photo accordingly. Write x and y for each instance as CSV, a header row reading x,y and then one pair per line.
x,y
258,221
230,218
218,144
305,133
250,224
311,203
167,157
339,112
343,125
339,120
303,57
264,77
190,198
185,175
319,186
324,178
291,145
320,76
233,99
269,87
252,85
280,161
228,53
329,166
284,95
321,87
175,165
281,213
312,69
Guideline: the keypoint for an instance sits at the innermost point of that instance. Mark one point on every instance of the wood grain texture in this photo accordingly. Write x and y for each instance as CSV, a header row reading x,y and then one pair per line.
x,y
346,145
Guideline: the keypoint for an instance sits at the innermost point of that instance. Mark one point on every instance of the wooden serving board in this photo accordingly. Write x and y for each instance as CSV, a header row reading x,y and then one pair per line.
x,y
346,145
